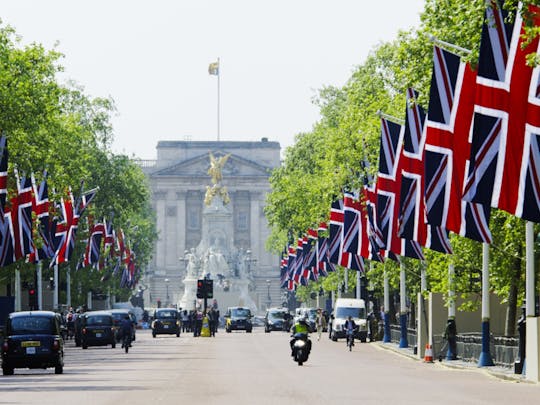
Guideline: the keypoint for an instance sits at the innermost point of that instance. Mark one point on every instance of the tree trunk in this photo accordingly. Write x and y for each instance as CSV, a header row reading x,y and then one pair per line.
x,y
511,309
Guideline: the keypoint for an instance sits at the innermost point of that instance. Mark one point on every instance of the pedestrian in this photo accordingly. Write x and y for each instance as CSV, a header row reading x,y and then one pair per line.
x,y
212,321
198,323
191,317
320,322
185,321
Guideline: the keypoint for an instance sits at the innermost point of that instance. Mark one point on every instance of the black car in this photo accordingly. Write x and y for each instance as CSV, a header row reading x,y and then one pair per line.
x,y
166,321
118,315
97,329
238,318
277,319
32,339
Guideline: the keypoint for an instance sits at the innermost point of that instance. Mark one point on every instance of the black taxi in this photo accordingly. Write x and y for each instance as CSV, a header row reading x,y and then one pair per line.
x,y
32,339
166,321
97,329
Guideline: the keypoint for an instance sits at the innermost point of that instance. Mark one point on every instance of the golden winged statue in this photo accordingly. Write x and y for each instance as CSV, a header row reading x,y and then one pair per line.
x,y
216,166
215,171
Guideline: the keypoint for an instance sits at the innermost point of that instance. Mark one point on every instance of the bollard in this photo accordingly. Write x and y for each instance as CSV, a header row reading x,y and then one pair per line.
x,y
451,335
520,359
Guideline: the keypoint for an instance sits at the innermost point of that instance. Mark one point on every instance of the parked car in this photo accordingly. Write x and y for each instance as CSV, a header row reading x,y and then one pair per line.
x,y
238,318
166,321
98,329
32,339
276,319
118,315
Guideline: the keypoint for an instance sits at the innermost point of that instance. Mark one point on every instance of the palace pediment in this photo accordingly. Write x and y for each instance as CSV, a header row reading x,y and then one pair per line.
x,y
198,166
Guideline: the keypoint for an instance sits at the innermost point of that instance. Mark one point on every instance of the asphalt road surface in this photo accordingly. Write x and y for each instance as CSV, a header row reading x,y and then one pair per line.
x,y
240,368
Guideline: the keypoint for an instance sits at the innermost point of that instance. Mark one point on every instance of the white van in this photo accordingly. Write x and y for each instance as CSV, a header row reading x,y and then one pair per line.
x,y
344,308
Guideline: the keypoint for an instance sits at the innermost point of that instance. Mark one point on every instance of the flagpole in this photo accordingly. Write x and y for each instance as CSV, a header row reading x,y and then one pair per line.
x,y
485,356
39,286
403,342
218,98
386,337
55,291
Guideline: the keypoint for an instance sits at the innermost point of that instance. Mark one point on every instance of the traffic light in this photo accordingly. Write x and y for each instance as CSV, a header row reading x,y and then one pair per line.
x,y
205,288
32,298
200,288
208,288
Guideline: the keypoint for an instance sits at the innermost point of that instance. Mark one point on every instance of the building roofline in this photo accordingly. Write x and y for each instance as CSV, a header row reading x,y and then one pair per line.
x,y
219,144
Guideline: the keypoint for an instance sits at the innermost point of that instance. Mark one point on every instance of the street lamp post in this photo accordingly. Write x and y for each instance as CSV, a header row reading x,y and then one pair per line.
x,y
167,292
268,298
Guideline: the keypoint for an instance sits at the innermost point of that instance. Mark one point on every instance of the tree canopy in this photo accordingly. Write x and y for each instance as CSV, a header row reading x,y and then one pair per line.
x,y
56,127
323,161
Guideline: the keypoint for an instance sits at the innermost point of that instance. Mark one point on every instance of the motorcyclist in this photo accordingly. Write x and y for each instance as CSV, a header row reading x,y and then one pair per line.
x,y
349,326
300,327
125,329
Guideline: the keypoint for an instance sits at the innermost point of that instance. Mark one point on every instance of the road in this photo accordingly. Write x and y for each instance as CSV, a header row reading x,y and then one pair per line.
x,y
240,368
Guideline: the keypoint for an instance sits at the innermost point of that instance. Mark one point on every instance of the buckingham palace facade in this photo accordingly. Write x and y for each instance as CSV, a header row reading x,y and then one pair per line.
x,y
178,180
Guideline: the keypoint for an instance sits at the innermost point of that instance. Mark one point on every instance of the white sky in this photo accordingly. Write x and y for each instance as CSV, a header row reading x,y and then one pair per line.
x,y
152,58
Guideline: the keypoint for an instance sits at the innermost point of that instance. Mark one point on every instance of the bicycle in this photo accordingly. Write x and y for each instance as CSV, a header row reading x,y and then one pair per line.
x,y
350,338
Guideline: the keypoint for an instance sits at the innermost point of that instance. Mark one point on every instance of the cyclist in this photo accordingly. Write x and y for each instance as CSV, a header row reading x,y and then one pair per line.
x,y
349,326
126,328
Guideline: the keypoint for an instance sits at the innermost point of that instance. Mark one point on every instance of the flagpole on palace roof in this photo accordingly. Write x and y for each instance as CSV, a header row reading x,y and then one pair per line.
x,y
218,99
214,70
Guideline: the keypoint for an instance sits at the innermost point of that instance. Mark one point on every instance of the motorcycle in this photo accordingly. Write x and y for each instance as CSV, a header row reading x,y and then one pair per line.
x,y
301,346
126,341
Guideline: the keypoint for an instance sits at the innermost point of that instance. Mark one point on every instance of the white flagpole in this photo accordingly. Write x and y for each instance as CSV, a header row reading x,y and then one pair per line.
x,y
218,98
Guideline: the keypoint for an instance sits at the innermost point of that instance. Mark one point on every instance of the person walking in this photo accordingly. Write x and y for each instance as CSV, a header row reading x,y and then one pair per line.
x,y
198,323
320,321
212,321
185,321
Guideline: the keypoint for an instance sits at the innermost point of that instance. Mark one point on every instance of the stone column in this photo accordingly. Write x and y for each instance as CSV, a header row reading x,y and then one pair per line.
x,y
180,225
159,197
255,223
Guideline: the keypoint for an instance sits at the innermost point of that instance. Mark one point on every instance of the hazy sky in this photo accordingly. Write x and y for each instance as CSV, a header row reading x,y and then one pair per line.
x,y
152,58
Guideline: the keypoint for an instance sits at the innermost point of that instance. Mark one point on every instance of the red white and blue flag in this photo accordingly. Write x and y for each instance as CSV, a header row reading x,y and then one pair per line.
x,y
24,244
40,207
388,193
447,149
505,151
412,211
323,265
336,226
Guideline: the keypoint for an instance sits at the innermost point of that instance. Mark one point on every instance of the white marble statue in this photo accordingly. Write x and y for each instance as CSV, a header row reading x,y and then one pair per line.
x,y
193,265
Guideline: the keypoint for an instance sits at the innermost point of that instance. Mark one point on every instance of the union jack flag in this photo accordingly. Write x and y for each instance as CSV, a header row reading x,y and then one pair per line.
x,y
290,266
66,231
284,273
388,193
373,233
412,212
93,247
447,150
505,151
310,255
24,244
110,237
40,207
8,237
336,225
351,222
299,261
323,265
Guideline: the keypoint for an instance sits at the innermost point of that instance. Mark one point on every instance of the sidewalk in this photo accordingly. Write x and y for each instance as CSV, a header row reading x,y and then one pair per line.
x,y
504,373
